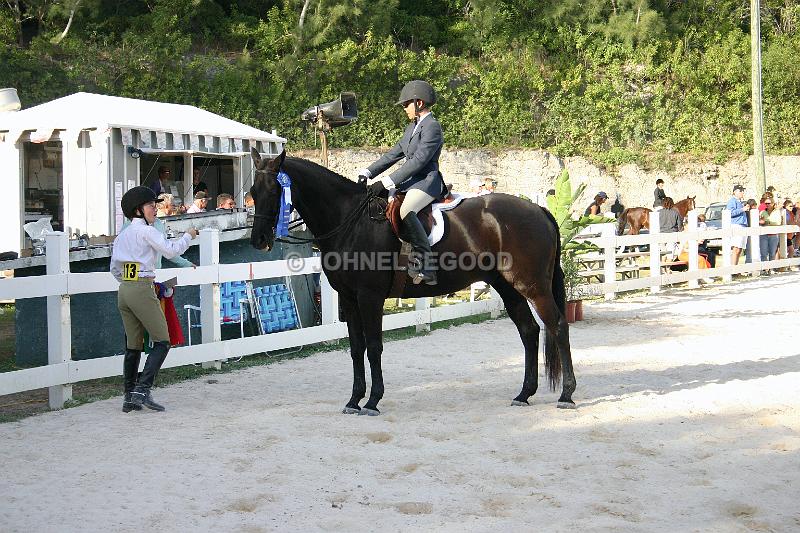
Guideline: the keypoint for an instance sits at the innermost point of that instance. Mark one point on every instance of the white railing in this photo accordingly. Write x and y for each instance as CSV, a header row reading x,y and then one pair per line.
x,y
59,284
610,244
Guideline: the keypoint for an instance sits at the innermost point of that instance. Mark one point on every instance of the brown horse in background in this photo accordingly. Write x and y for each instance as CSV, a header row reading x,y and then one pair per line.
x,y
639,217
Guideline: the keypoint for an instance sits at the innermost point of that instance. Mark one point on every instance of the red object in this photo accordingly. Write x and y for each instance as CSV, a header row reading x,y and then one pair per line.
x,y
173,324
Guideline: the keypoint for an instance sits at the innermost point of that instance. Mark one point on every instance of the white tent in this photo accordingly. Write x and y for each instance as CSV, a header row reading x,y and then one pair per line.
x,y
88,140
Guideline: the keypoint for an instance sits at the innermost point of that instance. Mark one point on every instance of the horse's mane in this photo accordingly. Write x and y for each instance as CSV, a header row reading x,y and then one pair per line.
x,y
318,172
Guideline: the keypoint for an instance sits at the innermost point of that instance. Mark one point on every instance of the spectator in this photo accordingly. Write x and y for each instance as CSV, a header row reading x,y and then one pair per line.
x,y
475,187
788,208
489,186
739,218
669,220
770,216
248,200
165,207
762,202
225,201
659,195
200,203
160,184
594,208
702,248
198,185
752,210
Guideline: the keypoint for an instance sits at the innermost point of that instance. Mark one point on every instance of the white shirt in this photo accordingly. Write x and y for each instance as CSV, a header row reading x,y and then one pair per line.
x,y
195,209
141,243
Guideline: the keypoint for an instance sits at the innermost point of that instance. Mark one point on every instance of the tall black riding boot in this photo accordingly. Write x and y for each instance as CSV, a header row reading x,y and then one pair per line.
x,y
415,233
141,394
130,373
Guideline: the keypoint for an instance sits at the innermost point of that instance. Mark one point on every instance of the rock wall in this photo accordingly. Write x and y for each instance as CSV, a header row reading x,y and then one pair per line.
x,y
532,173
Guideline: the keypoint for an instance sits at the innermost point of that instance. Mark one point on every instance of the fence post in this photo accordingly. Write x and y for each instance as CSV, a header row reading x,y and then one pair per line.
x,y
59,319
423,304
782,247
330,301
655,253
209,293
691,226
608,242
727,233
495,313
755,241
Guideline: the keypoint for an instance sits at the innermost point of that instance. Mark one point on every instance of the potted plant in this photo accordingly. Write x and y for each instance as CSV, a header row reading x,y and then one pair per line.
x,y
561,205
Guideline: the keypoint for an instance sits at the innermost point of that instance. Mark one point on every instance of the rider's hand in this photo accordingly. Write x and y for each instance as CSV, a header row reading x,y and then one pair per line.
x,y
362,180
376,188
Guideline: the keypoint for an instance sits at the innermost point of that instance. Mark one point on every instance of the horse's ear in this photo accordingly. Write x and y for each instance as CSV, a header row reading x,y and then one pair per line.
x,y
256,157
275,163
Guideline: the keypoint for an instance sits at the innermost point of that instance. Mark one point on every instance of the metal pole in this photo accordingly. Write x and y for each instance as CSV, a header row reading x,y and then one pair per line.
x,y
758,114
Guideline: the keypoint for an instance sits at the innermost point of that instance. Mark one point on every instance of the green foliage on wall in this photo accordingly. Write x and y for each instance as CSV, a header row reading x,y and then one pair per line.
x,y
611,80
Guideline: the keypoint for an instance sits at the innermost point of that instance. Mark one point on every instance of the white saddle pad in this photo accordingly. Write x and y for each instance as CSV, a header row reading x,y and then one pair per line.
x,y
437,231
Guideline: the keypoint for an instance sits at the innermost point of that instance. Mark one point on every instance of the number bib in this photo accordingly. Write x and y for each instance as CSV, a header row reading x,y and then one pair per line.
x,y
130,271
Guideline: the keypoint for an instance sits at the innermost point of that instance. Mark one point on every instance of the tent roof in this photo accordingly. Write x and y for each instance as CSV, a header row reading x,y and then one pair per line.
x,y
81,111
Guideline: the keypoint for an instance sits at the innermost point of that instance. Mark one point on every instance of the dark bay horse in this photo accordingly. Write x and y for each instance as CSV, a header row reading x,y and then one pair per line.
x,y
337,212
639,217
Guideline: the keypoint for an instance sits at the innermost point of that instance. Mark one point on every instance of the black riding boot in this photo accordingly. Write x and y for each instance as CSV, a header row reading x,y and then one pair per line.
x,y
415,234
130,373
141,394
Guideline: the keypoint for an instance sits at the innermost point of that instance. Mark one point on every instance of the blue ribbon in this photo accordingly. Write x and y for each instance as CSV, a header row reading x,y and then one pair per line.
x,y
282,228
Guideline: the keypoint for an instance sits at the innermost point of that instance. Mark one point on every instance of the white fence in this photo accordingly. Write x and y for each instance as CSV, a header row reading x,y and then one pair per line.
x,y
59,284
611,245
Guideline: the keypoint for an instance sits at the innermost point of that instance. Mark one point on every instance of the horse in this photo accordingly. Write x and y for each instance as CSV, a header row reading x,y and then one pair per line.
x,y
339,213
639,217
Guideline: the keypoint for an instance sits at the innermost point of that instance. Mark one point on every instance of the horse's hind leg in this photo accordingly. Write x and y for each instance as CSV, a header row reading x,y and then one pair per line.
x,y
560,362
358,345
519,312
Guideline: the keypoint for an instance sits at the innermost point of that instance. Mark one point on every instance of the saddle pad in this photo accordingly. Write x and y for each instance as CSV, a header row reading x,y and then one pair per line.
x,y
437,231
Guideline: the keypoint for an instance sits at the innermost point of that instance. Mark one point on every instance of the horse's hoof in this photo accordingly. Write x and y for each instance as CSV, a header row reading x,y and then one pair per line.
x,y
515,403
351,410
566,405
369,412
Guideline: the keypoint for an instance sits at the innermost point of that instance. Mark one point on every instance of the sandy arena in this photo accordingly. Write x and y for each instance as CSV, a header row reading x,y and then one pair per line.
x,y
688,419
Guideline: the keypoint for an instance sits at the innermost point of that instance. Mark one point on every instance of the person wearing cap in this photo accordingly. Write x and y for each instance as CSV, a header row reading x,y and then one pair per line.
x,y
594,207
738,217
133,265
418,177
199,204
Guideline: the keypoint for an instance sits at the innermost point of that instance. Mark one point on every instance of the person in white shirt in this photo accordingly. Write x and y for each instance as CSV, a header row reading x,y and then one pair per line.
x,y
133,264
200,203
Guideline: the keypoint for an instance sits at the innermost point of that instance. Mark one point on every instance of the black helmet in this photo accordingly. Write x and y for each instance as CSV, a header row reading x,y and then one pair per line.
x,y
417,90
135,197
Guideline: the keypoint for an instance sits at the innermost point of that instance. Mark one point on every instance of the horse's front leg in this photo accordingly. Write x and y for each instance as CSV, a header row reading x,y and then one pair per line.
x,y
371,308
358,345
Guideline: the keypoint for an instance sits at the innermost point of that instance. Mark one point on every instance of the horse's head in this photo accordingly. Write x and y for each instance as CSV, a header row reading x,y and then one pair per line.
x,y
690,201
266,192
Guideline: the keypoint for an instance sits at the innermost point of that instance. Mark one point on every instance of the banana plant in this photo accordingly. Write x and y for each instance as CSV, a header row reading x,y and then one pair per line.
x,y
561,205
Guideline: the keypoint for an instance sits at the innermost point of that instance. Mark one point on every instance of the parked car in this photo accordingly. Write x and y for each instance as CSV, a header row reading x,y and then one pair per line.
x,y
713,215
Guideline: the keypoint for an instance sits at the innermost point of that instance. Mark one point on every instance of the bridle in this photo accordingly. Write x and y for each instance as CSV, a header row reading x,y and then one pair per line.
x,y
364,205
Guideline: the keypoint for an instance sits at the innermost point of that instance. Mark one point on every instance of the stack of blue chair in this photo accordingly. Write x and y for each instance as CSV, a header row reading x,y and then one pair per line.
x,y
230,294
276,309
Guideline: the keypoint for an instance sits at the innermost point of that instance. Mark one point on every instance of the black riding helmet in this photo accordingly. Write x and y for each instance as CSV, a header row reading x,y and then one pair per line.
x,y
417,90
135,198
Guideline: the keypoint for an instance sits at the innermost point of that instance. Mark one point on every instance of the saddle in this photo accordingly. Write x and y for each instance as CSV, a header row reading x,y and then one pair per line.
x,y
425,216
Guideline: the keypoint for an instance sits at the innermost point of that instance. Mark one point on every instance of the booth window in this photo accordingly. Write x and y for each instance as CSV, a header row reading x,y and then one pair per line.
x,y
44,183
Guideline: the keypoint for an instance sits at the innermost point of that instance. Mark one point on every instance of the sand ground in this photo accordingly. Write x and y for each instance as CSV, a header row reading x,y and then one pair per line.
x,y
688,419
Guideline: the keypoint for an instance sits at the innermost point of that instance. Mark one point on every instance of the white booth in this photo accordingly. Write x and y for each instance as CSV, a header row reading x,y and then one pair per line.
x,y
73,158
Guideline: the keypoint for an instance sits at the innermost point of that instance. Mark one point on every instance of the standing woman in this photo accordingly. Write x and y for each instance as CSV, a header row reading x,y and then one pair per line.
x,y
133,265
788,207
769,217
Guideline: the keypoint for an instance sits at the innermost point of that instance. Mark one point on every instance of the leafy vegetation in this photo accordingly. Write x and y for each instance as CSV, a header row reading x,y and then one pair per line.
x,y
612,79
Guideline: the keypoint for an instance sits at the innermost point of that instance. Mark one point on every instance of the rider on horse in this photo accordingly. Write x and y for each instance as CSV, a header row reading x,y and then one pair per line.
x,y
418,177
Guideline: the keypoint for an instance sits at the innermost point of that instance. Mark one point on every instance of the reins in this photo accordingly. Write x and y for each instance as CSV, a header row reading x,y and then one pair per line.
x,y
346,224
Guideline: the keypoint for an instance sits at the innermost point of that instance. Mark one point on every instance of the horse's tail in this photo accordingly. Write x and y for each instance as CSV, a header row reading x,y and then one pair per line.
x,y
552,361
623,218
